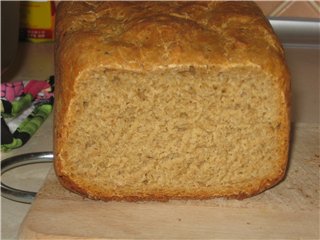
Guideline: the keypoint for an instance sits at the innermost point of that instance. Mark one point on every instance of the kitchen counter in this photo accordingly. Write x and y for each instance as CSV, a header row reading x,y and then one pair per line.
x,y
35,61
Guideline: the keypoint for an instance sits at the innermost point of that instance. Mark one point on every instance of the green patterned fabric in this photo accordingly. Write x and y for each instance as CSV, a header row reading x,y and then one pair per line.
x,y
24,108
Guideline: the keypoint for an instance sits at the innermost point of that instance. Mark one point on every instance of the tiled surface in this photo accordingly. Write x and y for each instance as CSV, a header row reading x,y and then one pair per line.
x,y
299,9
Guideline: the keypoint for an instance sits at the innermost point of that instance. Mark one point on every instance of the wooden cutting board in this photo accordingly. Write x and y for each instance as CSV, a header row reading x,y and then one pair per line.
x,y
289,210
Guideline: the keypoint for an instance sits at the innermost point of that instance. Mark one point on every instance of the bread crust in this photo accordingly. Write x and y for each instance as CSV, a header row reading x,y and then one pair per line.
x,y
72,186
146,36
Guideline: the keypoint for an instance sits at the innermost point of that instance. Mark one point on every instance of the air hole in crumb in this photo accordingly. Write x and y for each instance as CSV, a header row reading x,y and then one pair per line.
x,y
88,144
145,181
192,70
85,104
141,94
183,115
115,80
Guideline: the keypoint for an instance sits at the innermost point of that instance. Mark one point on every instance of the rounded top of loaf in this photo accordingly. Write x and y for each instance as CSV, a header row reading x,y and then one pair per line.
x,y
141,36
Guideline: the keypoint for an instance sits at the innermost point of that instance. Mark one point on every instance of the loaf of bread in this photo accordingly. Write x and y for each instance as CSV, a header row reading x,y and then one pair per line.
x,y
169,100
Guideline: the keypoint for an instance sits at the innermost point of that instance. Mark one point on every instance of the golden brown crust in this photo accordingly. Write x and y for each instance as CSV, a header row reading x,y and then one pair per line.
x,y
144,36
69,184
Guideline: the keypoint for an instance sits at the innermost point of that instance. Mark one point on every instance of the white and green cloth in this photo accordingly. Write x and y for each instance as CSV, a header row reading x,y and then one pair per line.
x,y
24,107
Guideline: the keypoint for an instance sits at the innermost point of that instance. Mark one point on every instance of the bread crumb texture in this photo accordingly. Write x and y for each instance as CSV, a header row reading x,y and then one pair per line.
x,y
169,100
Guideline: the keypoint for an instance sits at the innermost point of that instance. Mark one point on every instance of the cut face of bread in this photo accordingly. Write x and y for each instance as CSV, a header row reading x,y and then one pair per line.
x,y
180,132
